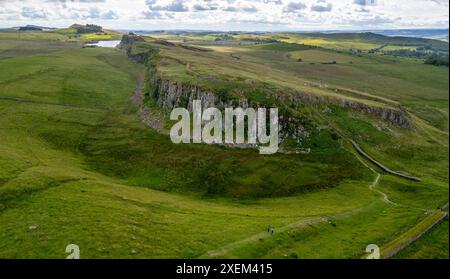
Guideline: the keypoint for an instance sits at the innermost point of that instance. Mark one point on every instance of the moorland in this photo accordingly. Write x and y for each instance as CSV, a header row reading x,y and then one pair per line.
x,y
85,157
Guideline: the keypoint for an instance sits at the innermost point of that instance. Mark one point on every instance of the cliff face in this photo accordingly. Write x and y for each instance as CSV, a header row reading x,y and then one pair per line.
x,y
127,44
396,116
129,39
169,94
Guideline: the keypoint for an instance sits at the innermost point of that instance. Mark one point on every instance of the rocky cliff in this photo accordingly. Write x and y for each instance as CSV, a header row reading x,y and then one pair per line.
x,y
169,94
394,115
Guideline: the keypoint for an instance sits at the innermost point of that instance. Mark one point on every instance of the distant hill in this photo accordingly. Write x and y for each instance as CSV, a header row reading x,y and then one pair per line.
x,y
30,27
88,28
370,37
416,33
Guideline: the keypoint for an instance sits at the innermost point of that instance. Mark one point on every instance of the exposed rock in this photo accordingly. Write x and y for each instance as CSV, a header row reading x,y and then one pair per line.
x,y
169,94
127,44
130,39
396,116
33,227
88,28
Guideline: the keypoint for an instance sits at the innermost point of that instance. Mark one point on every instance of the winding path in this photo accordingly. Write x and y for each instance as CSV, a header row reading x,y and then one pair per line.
x,y
301,223
153,122
146,115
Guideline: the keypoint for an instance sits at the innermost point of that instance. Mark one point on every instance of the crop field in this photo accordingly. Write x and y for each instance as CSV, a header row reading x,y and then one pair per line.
x,y
78,165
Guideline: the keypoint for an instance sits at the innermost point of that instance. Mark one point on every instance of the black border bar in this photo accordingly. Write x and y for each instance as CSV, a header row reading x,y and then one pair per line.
x,y
279,268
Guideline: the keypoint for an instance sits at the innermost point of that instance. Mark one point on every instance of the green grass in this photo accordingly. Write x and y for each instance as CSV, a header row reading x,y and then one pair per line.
x,y
404,239
283,47
429,246
149,159
323,56
103,180
398,80
338,237
55,189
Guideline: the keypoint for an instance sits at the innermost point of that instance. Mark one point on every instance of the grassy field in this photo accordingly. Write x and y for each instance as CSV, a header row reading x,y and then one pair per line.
x,y
429,245
78,166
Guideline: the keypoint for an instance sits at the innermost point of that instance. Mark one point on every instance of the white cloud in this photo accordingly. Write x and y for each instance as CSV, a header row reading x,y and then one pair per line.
x,y
321,6
294,7
228,14
33,13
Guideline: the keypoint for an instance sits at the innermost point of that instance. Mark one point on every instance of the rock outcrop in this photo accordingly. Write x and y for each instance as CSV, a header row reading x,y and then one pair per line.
x,y
394,115
169,94
129,39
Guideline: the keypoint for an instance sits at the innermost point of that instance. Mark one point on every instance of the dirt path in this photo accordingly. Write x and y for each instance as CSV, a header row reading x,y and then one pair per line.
x,y
397,244
375,183
155,122
147,116
220,252
225,249
301,223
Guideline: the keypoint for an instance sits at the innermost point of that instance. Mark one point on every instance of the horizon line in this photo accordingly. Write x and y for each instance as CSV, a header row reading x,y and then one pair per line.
x,y
256,30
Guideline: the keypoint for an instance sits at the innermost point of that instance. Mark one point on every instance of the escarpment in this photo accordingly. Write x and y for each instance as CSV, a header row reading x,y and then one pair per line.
x,y
128,44
169,94
394,115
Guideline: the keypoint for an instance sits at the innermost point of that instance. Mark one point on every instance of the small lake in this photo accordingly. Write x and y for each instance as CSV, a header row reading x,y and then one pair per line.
x,y
104,44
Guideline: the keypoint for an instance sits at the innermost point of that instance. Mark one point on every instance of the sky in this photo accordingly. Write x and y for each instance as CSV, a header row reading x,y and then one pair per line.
x,y
243,15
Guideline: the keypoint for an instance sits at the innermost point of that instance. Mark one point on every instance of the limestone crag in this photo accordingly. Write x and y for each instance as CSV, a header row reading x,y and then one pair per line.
x,y
170,94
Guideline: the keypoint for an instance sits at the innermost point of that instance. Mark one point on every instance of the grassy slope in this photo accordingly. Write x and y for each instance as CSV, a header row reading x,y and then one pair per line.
x,y
391,77
372,79
429,246
73,171
391,248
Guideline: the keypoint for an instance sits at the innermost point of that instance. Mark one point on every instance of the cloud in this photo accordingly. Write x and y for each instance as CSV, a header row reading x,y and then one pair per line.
x,y
365,2
75,1
241,7
174,6
230,9
32,13
275,2
112,15
362,10
373,21
7,14
207,6
321,6
294,6
152,15
228,14
249,9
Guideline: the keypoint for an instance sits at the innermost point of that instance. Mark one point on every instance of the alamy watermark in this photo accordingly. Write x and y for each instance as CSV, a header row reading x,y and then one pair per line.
x,y
374,251
74,252
218,130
